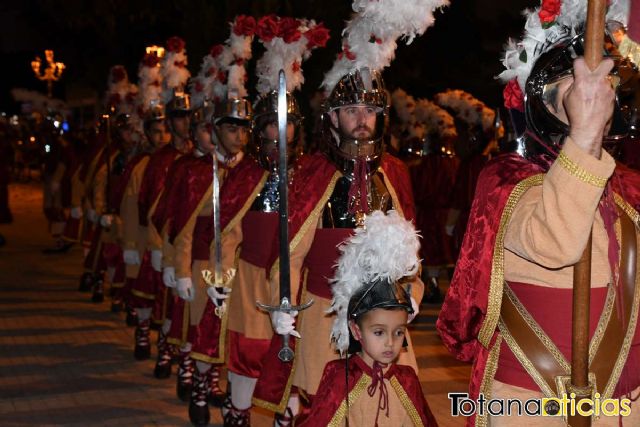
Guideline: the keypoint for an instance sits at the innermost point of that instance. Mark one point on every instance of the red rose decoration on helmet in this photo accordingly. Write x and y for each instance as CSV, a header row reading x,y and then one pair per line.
x,y
216,50
175,44
222,77
289,30
513,97
295,67
118,73
317,36
267,28
549,10
199,87
150,60
346,52
244,26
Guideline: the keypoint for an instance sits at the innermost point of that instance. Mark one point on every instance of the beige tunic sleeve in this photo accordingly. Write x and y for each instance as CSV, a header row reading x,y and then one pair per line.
x,y
168,251
297,257
230,243
551,223
129,207
99,190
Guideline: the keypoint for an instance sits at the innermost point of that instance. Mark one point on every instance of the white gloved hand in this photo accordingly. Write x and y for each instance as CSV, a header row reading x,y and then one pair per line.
x,y
169,277
156,260
448,229
283,323
416,310
131,257
92,215
106,221
185,289
76,212
218,297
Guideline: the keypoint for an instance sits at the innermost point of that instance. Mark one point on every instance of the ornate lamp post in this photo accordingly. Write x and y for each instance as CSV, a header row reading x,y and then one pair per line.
x,y
51,74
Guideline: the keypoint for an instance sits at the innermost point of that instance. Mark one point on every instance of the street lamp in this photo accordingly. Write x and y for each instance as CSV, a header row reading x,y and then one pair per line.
x,y
155,50
51,74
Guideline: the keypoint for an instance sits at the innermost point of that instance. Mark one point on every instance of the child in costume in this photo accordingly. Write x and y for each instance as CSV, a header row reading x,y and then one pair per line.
x,y
373,306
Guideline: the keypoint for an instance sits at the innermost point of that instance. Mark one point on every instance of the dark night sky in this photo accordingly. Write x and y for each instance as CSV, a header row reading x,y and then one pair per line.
x,y
461,51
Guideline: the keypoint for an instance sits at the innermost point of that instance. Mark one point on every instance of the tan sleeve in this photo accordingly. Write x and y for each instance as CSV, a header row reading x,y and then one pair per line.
x,y
100,190
154,239
168,251
184,241
182,250
551,223
129,208
297,257
230,243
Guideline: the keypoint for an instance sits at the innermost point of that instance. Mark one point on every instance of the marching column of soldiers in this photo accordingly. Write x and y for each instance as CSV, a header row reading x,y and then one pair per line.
x,y
180,205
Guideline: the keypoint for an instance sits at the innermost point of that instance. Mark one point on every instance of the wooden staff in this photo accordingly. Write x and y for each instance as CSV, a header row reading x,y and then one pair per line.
x,y
594,42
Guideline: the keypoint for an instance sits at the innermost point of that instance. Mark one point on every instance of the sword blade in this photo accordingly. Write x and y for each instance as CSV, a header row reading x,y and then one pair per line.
x,y
285,279
217,238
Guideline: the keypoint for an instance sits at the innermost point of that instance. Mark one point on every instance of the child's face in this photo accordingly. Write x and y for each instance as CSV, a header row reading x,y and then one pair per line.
x,y
381,333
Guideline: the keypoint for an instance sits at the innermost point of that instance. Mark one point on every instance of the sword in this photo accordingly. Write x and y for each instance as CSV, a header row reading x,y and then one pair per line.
x,y
286,353
217,279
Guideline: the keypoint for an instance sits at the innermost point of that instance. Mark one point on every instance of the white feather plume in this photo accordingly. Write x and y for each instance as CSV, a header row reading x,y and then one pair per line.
x,y
175,73
385,248
280,55
404,105
519,56
467,108
150,85
435,119
369,39
121,93
201,87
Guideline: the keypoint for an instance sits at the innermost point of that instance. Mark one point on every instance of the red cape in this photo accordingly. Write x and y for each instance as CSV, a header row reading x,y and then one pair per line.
x,y
464,315
163,208
193,184
332,392
315,176
154,179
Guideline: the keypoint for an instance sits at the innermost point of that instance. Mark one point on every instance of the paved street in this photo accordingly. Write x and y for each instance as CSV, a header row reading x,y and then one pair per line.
x,y
67,361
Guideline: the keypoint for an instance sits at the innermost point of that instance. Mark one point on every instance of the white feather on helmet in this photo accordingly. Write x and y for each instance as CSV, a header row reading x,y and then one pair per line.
x,y
435,119
286,53
369,39
467,108
121,93
544,26
175,73
385,248
149,82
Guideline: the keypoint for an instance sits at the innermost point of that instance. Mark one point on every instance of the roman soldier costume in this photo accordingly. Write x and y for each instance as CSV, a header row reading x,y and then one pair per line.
x,y
336,189
507,309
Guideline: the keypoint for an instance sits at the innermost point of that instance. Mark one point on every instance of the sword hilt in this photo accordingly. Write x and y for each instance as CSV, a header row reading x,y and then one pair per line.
x,y
286,353
285,306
